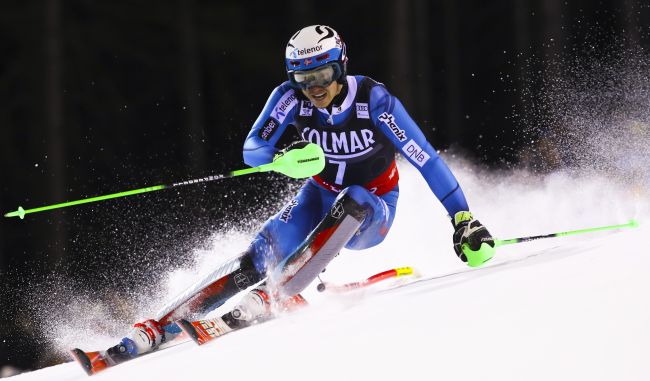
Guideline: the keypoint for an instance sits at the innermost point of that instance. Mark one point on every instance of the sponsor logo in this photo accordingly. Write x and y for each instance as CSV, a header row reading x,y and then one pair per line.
x,y
308,160
417,154
269,128
306,108
389,120
341,144
284,105
337,210
362,111
286,213
210,328
330,32
242,281
302,52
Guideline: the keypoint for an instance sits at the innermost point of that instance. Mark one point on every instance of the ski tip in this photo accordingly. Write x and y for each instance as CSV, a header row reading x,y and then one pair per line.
x,y
402,271
80,356
188,328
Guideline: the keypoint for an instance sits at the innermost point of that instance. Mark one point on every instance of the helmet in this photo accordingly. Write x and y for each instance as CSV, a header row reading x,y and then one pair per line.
x,y
315,56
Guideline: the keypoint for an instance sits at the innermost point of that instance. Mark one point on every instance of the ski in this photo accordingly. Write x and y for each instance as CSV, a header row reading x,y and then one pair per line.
x,y
94,362
91,362
467,273
205,330
397,272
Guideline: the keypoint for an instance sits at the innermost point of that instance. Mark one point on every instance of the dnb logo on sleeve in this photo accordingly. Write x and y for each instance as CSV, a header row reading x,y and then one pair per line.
x,y
417,154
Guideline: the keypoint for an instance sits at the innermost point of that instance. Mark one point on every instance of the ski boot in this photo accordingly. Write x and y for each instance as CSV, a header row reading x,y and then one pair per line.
x,y
255,307
143,338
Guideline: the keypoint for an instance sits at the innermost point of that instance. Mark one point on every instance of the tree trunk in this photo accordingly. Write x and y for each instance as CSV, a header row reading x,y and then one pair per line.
x,y
54,120
4,253
190,86
303,10
452,69
423,67
553,33
521,12
400,52
631,23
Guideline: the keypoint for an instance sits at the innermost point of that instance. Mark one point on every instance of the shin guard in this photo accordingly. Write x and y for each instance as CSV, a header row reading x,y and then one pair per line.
x,y
320,247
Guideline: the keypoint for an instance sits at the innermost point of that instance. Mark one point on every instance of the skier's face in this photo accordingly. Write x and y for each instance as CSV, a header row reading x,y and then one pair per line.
x,y
321,96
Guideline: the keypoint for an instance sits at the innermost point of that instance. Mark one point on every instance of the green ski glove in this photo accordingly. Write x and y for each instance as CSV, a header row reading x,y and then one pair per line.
x,y
299,160
473,243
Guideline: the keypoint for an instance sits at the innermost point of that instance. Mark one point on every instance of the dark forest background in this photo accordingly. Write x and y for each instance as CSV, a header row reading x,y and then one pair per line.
x,y
103,96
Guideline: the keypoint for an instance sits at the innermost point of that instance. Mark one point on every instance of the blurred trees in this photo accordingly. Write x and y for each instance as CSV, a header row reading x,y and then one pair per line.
x,y
54,115
191,80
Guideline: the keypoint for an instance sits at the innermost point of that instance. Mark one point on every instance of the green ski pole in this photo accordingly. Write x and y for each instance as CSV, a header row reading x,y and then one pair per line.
x,y
297,163
502,242
476,258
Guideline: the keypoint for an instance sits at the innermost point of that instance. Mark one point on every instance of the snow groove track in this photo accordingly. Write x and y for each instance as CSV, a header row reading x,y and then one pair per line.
x,y
431,283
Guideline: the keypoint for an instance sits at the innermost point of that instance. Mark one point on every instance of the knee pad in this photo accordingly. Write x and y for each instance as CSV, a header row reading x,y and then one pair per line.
x,y
353,201
367,201
378,218
359,194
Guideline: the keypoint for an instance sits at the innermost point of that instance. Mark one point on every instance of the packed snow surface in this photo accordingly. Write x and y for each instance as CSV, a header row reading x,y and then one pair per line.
x,y
571,308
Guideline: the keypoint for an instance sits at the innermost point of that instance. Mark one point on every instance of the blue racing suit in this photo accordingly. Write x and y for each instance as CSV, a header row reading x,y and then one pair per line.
x,y
360,134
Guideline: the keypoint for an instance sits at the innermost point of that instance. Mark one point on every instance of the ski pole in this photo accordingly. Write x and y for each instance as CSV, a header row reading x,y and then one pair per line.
x,y
384,275
485,252
297,163
502,242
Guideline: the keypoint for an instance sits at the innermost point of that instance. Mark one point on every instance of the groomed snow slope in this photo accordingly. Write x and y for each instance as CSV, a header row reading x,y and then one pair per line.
x,y
572,308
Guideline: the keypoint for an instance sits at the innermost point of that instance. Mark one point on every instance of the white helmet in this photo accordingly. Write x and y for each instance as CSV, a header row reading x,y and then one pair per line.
x,y
315,56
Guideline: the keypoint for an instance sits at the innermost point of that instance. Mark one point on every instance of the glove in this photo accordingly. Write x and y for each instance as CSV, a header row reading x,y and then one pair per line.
x,y
299,160
473,243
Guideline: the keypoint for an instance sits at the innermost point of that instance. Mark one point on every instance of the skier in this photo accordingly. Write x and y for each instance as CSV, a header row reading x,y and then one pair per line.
x,y
360,126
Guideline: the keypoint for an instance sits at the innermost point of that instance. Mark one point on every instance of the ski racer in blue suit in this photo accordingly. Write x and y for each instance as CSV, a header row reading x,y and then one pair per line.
x,y
360,127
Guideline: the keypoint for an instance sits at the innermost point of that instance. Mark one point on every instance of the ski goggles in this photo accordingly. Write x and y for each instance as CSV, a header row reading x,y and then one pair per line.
x,y
321,76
